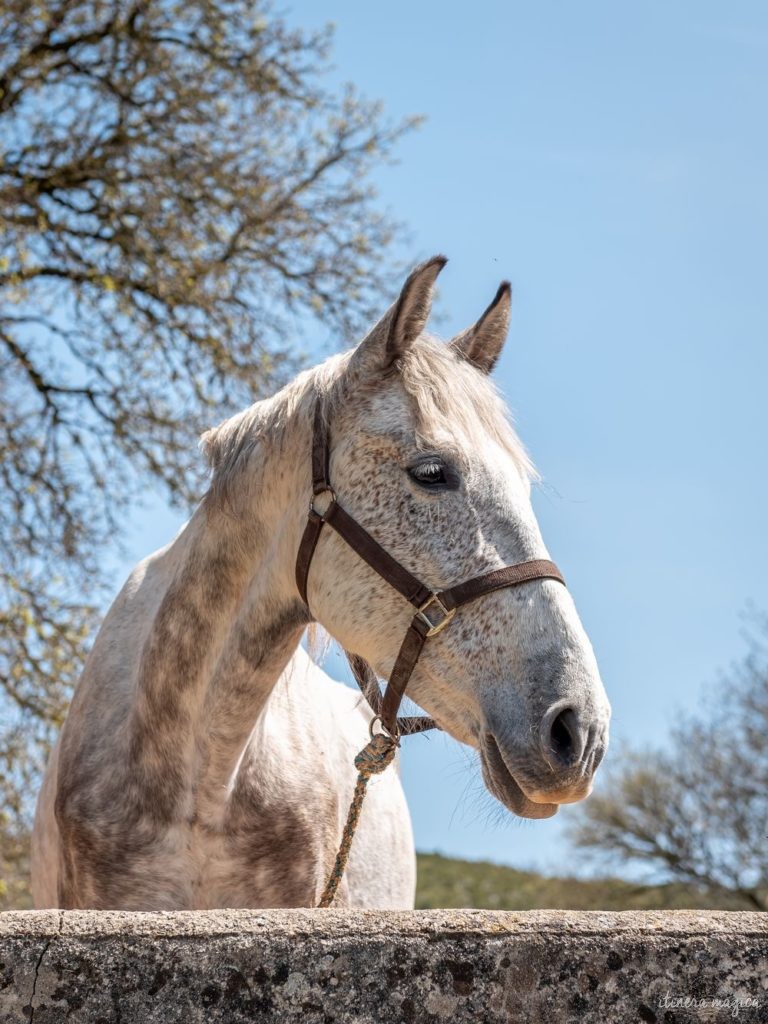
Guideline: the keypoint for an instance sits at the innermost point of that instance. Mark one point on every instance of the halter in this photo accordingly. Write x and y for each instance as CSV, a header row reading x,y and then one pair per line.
x,y
434,612
434,609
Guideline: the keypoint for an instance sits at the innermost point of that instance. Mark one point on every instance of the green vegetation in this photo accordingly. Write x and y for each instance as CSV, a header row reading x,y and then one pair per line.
x,y
444,882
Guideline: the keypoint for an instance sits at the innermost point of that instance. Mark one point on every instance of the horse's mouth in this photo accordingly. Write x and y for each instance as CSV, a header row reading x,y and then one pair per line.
x,y
500,783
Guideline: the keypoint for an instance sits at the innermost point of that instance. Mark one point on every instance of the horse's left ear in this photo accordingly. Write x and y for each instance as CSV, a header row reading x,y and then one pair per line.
x,y
482,343
403,322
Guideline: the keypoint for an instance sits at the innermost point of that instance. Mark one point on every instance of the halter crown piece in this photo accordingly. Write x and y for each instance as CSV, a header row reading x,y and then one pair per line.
x,y
434,612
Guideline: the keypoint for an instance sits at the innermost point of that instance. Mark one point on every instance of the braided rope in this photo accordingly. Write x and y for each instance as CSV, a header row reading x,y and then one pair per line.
x,y
374,758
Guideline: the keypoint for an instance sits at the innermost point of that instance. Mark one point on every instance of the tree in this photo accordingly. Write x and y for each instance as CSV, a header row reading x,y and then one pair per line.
x,y
698,812
181,197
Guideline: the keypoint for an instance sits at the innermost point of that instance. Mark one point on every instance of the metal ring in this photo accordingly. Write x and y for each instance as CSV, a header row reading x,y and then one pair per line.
x,y
313,510
384,730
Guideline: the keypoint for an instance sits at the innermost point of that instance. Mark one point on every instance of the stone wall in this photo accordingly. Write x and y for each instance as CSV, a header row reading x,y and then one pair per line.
x,y
368,967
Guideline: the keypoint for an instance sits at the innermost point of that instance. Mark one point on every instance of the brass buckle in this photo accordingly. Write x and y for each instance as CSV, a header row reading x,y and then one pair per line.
x,y
433,628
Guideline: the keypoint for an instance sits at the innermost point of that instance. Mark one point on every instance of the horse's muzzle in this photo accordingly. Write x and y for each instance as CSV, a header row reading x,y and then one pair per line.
x,y
557,768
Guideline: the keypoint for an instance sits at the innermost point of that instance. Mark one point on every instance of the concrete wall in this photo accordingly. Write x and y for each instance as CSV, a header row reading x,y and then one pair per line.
x,y
383,968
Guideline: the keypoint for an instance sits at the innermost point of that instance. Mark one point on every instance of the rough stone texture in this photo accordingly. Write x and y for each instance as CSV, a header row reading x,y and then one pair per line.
x,y
319,966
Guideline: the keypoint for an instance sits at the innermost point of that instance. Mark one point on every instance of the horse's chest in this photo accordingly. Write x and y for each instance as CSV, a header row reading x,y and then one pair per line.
x,y
270,855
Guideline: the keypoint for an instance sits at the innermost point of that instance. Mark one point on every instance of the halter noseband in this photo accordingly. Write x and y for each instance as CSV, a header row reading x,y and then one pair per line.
x,y
434,609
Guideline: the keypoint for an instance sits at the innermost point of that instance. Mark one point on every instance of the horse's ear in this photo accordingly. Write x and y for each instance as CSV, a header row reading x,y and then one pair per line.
x,y
482,343
403,322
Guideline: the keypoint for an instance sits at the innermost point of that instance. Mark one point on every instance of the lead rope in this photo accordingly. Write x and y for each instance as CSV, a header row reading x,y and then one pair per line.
x,y
375,757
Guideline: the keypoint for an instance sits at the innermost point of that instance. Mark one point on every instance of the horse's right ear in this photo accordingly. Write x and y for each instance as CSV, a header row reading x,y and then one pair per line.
x,y
403,322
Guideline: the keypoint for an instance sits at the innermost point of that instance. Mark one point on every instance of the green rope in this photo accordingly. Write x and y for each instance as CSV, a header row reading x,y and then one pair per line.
x,y
373,759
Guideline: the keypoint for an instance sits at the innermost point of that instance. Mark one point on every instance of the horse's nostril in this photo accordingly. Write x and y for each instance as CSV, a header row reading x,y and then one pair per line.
x,y
560,734
566,739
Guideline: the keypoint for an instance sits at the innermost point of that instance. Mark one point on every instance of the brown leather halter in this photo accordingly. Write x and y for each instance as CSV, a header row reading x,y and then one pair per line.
x,y
434,609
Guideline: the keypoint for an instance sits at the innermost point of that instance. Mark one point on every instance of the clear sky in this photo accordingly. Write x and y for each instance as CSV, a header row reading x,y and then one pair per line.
x,y
612,161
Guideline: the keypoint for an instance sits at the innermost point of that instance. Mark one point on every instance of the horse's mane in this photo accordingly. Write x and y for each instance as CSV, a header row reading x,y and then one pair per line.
x,y
447,393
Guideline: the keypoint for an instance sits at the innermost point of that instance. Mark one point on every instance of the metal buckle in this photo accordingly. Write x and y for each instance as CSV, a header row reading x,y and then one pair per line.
x,y
447,614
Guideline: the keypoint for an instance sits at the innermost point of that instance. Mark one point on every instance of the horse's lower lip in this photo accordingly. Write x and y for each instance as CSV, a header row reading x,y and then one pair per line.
x,y
500,782
570,795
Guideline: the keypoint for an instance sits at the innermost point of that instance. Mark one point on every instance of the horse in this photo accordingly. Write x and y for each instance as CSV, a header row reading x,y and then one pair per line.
x,y
206,760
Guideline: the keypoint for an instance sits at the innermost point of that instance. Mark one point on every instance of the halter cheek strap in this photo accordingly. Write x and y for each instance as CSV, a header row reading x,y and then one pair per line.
x,y
434,609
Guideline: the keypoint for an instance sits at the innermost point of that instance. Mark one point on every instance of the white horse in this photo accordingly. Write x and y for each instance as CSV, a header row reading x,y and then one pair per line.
x,y
206,761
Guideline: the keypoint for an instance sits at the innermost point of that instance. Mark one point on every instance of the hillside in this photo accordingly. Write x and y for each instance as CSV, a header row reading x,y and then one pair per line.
x,y
444,882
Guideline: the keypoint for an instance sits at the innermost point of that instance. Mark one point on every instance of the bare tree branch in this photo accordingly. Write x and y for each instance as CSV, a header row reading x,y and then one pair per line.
x,y
697,812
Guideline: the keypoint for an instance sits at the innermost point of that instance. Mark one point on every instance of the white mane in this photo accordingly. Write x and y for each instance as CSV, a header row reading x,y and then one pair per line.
x,y
448,393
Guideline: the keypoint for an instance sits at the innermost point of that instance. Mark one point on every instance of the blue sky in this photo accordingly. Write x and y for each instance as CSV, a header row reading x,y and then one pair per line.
x,y
611,160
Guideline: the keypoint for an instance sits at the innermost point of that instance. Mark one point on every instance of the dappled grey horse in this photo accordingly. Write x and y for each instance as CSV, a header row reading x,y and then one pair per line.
x,y
206,760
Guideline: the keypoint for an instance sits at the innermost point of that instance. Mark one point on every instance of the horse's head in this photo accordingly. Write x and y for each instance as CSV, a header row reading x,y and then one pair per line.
x,y
424,458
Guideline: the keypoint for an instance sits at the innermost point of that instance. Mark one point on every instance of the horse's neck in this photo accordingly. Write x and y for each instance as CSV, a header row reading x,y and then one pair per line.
x,y
226,627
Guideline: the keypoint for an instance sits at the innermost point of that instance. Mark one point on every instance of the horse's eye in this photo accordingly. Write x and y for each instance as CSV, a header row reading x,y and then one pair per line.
x,y
429,473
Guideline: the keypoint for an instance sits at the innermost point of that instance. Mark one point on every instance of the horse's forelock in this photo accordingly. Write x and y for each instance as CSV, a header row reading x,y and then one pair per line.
x,y
448,392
